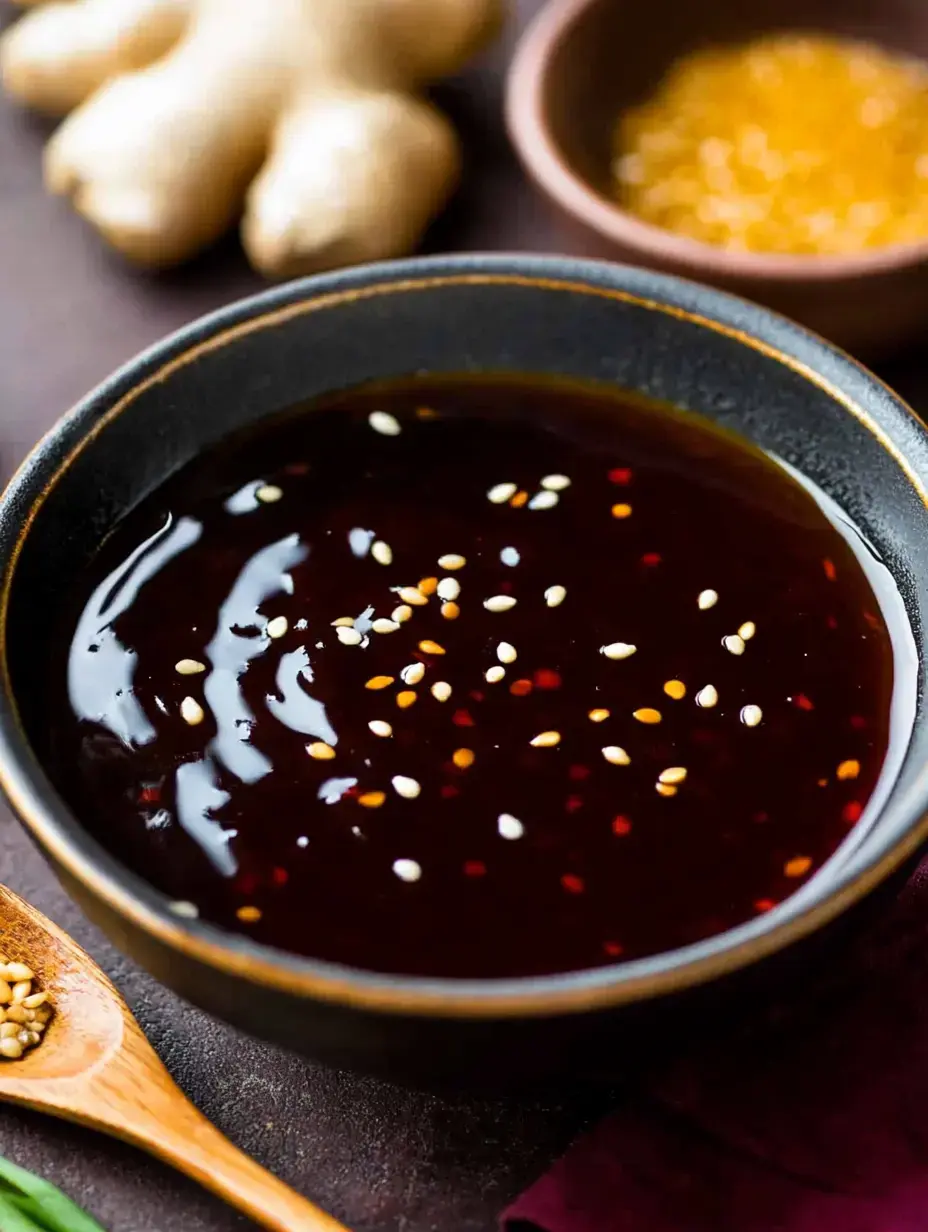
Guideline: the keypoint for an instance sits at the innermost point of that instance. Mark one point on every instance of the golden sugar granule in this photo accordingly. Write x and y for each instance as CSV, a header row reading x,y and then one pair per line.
x,y
665,789
432,648
797,866
848,769
647,715
598,715
405,698
412,594
320,751
427,585
546,740
519,499
673,775
675,689
372,799
621,510
463,758
450,610
249,915
379,682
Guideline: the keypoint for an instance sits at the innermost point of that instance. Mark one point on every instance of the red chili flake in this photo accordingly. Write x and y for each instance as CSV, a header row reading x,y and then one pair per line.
x,y
573,884
573,803
474,868
760,818
822,782
830,571
621,825
150,795
520,688
650,559
858,722
620,474
504,587
579,773
296,468
871,620
765,904
462,718
280,876
350,792
612,948
247,883
831,622
476,695
449,791
802,702
852,811
545,678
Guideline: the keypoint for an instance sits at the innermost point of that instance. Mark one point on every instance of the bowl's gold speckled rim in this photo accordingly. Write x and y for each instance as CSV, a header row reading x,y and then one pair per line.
x,y
50,821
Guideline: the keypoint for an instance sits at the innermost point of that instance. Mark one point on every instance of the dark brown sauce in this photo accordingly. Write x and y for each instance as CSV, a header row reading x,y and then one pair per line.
x,y
491,855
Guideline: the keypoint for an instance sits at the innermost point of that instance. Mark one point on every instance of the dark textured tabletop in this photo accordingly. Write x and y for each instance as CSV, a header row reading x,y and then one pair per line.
x,y
380,1159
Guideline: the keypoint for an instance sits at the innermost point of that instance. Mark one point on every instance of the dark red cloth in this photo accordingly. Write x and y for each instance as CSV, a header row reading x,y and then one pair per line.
x,y
818,1126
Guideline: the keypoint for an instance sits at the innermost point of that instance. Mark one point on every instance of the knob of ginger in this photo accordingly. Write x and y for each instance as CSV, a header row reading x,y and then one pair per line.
x,y
301,115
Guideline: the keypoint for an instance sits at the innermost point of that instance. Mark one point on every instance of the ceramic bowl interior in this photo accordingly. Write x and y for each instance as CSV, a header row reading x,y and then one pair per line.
x,y
664,338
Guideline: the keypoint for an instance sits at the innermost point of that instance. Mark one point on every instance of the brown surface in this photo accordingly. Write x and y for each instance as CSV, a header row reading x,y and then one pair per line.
x,y
380,1159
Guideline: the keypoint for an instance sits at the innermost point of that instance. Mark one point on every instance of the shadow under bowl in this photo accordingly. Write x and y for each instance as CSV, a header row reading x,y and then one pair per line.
x,y
704,351
583,62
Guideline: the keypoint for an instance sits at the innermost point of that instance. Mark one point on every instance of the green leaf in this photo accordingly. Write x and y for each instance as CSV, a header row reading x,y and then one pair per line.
x,y
29,1204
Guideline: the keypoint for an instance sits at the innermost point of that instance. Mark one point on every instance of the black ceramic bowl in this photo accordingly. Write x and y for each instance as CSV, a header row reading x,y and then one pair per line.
x,y
702,350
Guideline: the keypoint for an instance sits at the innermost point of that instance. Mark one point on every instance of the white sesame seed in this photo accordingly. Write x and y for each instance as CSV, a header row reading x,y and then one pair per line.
x,y
618,650
707,599
509,826
441,690
544,500
546,740
343,622
499,603
751,715
510,557
268,493
599,715
506,652
385,626
733,644
672,775
276,627
406,787
555,595
413,673
555,483
494,675
449,588
348,637
191,711
380,728
412,595
382,552
707,696
302,841
500,493
616,756
320,751
189,667
384,423
401,614
407,870
747,630
452,560
189,911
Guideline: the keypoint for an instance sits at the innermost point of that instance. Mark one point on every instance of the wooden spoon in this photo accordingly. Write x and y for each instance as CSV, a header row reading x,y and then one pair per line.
x,y
95,1066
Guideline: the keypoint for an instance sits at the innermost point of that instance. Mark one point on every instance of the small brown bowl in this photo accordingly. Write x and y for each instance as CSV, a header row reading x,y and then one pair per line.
x,y
582,62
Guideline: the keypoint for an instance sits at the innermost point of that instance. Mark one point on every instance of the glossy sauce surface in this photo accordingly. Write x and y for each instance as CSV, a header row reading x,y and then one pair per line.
x,y
633,688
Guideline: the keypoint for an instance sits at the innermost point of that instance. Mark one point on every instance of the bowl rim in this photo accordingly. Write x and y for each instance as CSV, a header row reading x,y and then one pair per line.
x,y
541,156
61,835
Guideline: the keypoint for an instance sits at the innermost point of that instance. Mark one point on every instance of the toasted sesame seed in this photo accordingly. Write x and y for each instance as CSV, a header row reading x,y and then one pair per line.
x,y
598,715
379,682
506,652
191,711
441,690
382,552
427,646
401,614
848,770
450,611
647,715
510,557
348,637
189,667
747,630
734,644
707,599
751,715
555,483
673,774
621,510
546,740
500,493
449,588
372,799
427,585
412,594
406,787
665,789
544,500
616,756
463,758
707,696
343,622
675,689
509,826
407,870
412,673
249,915
451,560
380,728
277,627
320,751
555,595
268,493
797,866
494,675
384,423
519,499
189,911
385,626
618,650
499,603
405,699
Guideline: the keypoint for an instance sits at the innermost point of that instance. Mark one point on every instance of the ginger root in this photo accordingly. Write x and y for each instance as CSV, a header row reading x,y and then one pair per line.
x,y
300,113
